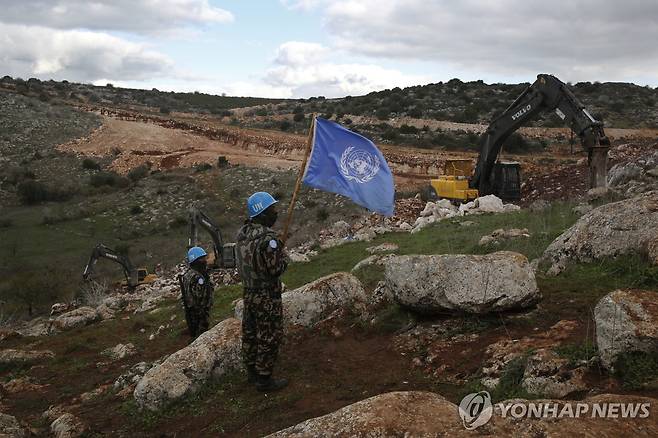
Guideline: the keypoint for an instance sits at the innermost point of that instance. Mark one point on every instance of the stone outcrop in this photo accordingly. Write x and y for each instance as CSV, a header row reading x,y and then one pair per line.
x,y
11,356
549,375
10,427
211,355
75,318
626,322
469,283
614,229
313,302
501,235
425,414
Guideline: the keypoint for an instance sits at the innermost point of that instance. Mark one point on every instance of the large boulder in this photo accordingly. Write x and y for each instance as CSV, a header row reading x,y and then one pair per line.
x,y
469,283
626,322
614,229
425,414
76,318
211,355
313,302
11,356
10,427
391,414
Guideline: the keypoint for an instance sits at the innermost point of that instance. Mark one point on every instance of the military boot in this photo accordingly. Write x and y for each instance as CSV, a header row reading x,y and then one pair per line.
x,y
252,374
267,383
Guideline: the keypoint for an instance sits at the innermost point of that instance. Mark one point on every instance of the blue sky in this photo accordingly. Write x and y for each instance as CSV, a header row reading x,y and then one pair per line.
x,y
303,48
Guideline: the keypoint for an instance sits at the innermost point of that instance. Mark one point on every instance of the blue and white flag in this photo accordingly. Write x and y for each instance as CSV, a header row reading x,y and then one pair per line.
x,y
349,164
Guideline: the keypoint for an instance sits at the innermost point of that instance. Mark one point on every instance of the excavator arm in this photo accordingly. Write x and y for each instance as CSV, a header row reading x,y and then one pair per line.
x,y
547,93
224,254
102,251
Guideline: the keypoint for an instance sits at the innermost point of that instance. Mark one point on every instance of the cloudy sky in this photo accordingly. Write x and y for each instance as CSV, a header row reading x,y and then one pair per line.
x,y
303,48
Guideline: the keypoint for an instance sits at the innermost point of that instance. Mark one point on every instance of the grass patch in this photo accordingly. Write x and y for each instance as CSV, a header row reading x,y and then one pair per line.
x,y
577,352
392,319
510,381
637,369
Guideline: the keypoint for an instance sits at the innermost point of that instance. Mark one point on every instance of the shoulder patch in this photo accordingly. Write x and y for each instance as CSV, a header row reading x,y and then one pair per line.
x,y
201,280
273,244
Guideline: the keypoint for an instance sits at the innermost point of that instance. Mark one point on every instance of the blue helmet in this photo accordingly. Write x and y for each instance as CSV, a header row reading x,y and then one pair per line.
x,y
259,202
195,253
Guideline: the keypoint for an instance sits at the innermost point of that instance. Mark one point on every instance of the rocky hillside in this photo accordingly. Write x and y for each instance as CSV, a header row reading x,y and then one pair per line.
x,y
423,318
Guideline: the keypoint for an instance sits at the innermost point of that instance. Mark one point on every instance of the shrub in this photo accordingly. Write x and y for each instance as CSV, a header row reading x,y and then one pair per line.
x,y
285,125
202,167
322,215
110,179
138,173
136,209
90,164
178,221
6,223
32,192
165,110
222,162
298,117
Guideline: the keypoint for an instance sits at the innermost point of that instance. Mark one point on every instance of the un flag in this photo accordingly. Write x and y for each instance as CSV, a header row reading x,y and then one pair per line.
x,y
349,164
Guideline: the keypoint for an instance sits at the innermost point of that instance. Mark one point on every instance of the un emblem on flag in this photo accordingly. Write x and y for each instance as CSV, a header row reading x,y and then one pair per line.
x,y
358,165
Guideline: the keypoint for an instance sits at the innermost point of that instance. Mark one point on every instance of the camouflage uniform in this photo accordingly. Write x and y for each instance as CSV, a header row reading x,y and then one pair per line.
x,y
261,261
197,295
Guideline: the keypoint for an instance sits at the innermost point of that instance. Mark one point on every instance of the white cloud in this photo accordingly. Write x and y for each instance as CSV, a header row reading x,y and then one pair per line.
x,y
303,69
576,39
304,5
137,16
75,55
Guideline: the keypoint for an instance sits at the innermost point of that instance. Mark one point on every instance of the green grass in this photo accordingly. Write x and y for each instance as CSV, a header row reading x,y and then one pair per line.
x,y
445,237
577,352
637,369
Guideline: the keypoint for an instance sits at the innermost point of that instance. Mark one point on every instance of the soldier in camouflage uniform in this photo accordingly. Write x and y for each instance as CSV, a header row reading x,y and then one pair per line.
x,y
197,292
261,261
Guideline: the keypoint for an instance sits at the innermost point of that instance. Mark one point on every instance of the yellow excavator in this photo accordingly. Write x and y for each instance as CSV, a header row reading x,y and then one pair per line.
x,y
134,276
490,176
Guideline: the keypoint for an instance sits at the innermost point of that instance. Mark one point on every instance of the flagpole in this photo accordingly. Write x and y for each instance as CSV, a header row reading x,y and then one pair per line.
x,y
298,184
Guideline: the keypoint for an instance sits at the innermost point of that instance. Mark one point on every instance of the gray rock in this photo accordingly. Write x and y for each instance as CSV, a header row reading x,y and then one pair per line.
x,y
313,302
76,318
211,355
539,205
384,247
470,283
622,173
581,209
425,414
549,375
10,427
120,351
67,426
626,321
11,356
618,228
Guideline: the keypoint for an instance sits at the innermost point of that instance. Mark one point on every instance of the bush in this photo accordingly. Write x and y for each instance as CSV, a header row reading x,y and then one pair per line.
x,y
16,175
285,125
32,192
139,172
90,164
202,167
136,209
322,215
298,117
222,162
165,110
110,179
6,223
178,222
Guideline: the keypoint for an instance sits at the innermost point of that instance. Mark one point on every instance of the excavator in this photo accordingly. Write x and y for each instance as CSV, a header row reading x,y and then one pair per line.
x,y
502,179
134,276
224,254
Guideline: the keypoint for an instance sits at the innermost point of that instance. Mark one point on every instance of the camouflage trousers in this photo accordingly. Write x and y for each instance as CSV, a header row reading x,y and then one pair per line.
x,y
262,328
198,320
